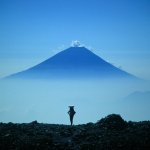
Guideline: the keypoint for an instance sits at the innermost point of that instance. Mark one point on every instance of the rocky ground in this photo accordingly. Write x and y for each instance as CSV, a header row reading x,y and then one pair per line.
x,y
109,133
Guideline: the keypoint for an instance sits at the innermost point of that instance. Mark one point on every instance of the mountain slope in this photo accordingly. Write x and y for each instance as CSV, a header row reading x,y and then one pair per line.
x,y
74,62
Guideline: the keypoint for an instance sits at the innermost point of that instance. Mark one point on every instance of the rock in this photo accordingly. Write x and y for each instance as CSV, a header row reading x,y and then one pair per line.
x,y
34,122
113,121
6,135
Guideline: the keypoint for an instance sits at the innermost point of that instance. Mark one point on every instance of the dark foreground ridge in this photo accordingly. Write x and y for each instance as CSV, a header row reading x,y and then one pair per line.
x,y
110,133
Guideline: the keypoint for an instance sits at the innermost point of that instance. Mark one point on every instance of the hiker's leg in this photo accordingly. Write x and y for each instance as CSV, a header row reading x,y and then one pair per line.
x,y
71,119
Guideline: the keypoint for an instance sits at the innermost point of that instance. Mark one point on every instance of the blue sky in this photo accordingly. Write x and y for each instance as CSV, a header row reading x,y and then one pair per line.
x,y
33,30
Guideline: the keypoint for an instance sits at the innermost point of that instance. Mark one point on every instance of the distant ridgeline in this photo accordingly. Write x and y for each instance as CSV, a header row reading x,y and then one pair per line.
x,y
74,62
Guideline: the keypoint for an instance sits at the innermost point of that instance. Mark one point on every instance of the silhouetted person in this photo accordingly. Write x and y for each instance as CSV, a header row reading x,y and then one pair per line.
x,y
71,113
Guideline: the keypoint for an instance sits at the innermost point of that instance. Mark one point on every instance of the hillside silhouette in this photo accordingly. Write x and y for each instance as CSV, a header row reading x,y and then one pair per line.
x,y
111,132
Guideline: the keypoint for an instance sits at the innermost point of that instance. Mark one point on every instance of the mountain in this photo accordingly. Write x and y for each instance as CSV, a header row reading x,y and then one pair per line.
x,y
136,105
74,62
138,96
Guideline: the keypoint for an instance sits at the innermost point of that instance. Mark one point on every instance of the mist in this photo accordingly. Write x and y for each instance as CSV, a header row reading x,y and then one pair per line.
x,y
47,101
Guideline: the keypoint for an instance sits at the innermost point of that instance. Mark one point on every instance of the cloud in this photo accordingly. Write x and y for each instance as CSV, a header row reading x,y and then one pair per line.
x,y
76,43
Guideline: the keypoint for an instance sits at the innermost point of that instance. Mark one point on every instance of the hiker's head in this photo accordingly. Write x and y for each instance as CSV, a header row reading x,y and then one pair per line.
x,y
71,107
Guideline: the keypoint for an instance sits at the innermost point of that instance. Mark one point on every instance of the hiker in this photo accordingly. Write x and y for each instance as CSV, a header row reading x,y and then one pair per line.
x,y
71,113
